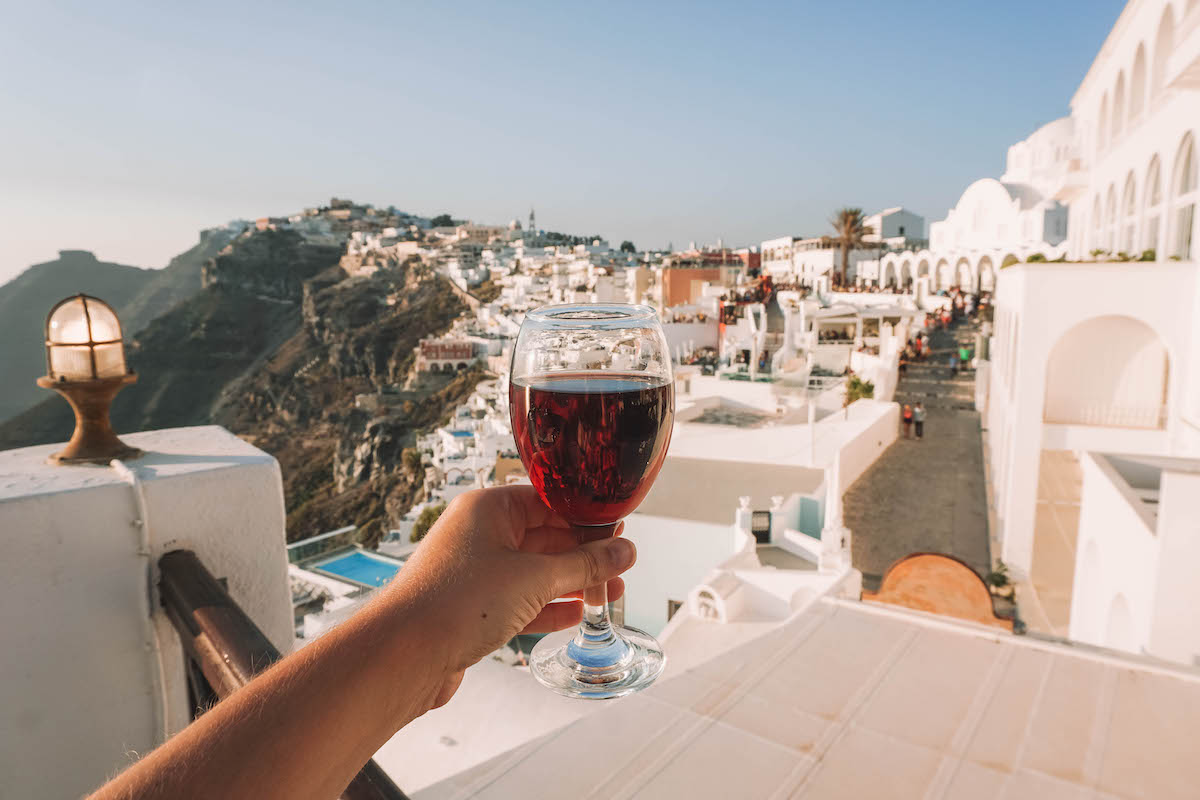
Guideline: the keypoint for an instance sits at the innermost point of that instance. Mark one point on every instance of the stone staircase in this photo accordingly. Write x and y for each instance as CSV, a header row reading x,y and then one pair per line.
x,y
931,382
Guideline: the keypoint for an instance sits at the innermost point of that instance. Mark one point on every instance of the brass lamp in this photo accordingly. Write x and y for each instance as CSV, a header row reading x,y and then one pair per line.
x,y
85,363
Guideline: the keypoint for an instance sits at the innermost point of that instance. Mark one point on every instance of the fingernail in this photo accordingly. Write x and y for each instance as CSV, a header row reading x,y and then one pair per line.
x,y
622,552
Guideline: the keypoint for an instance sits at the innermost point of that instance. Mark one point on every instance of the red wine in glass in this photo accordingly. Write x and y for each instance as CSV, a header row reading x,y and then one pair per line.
x,y
592,443
591,400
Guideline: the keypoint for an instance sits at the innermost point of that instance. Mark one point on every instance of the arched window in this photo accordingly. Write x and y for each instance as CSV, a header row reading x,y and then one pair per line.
x,y
1137,84
1183,204
1129,216
1118,110
1102,125
1110,220
1152,198
1163,43
1097,226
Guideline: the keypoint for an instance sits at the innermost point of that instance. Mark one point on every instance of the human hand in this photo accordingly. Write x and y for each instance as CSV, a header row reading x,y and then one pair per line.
x,y
489,569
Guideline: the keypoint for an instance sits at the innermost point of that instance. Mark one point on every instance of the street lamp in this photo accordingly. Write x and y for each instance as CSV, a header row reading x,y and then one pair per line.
x,y
85,363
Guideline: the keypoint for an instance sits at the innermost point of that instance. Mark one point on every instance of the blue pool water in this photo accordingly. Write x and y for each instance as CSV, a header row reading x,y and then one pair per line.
x,y
361,568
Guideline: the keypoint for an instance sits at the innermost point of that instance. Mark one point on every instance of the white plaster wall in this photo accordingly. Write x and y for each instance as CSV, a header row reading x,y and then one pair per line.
x,y
79,671
1045,301
1156,131
1128,551
860,452
1176,625
673,556
685,335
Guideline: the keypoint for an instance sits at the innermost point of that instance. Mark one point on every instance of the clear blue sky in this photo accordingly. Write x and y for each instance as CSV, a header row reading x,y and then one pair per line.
x,y
128,127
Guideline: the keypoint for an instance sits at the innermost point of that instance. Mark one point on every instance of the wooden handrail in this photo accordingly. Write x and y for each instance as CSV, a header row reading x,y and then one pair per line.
x,y
230,650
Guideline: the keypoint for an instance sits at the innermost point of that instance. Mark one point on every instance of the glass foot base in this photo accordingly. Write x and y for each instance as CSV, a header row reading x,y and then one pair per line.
x,y
628,665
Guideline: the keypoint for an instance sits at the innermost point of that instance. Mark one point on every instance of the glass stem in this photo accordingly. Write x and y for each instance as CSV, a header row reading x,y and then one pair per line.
x,y
596,643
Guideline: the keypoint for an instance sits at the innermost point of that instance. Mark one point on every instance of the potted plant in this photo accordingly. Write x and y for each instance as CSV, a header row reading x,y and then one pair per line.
x,y
999,583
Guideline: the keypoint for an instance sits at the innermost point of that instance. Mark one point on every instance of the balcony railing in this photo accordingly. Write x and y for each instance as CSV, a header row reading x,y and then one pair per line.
x,y
225,650
1068,411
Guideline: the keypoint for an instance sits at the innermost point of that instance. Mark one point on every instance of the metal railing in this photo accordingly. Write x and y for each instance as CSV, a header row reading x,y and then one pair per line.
x,y
225,650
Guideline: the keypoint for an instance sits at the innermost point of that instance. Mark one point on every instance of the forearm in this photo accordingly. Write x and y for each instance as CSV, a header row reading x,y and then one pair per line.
x,y
307,725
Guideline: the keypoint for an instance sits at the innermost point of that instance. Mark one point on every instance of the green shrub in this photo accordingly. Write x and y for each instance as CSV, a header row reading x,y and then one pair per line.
x,y
1036,258
1148,255
425,520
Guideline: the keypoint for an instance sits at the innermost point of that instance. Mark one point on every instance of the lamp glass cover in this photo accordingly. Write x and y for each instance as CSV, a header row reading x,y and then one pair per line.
x,y
69,325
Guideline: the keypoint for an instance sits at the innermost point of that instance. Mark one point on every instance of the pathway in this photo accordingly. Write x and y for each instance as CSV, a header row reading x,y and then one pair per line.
x,y
926,495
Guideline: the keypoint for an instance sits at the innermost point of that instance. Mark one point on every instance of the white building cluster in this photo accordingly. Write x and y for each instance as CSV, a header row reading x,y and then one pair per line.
x,y
1092,396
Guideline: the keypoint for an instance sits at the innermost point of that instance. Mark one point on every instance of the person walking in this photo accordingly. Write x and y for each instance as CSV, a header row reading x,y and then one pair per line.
x,y
964,355
918,415
908,419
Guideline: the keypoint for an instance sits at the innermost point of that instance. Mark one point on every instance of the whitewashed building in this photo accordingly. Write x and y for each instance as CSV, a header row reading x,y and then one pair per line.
x,y
1102,357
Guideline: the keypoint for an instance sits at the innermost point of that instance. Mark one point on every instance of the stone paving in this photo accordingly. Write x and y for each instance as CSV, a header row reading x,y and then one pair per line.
x,y
926,495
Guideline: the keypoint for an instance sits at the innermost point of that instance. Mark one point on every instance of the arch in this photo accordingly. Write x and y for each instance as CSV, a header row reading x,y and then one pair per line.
x,y
462,365
1107,371
1118,109
962,274
1137,83
1152,204
1119,632
1110,220
1102,126
987,275
1164,41
945,274
1097,225
1127,242
1184,180
888,276
923,268
906,275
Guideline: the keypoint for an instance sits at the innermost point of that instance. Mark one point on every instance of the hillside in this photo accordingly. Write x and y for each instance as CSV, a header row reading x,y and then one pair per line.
x,y
276,347
25,301
174,283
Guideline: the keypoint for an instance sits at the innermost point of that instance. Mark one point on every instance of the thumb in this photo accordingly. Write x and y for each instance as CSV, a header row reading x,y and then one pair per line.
x,y
590,564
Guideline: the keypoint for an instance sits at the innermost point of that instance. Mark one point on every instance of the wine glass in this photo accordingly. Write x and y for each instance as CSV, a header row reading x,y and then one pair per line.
x,y
592,400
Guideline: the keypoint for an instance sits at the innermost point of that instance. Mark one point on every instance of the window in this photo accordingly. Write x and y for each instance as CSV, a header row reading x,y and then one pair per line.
x,y
1110,217
672,607
1163,42
1130,217
760,525
1102,126
1153,199
1137,83
1184,205
901,230
1118,113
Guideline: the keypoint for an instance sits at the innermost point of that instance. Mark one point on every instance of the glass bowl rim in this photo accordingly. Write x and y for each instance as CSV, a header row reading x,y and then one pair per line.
x,y
593,314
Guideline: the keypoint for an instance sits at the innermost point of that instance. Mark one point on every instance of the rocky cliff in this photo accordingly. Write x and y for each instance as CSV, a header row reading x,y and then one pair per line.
x,y
277,346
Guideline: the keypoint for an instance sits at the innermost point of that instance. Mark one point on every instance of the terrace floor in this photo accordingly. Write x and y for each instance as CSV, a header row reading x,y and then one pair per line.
x,y
1046,607
926,495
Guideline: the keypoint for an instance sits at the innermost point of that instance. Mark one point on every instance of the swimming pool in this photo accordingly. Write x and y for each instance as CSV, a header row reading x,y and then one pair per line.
x,y
361,568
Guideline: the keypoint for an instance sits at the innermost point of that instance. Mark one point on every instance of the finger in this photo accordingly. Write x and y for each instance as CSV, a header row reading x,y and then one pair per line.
x,y
616,588
589,564
555,617
553,539
526,507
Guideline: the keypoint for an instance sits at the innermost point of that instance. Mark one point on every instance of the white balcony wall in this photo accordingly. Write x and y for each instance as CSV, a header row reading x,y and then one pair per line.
x,y
1135,587
99,672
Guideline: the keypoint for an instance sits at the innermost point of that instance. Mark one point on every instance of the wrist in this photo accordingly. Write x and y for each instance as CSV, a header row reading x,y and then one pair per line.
x,y
416,644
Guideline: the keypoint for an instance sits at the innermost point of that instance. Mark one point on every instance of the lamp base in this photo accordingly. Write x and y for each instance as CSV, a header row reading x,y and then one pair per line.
x,y
94,441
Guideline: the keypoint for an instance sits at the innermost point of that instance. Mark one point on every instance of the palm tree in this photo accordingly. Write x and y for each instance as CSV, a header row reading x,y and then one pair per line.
x,y
850,231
